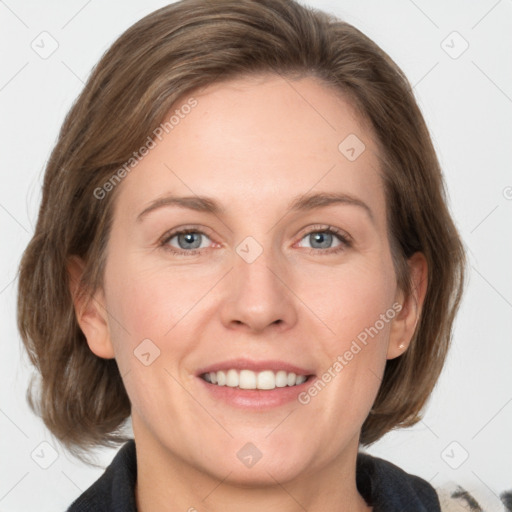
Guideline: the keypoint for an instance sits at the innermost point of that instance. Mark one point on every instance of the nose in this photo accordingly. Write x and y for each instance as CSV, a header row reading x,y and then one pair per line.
x,y
258,297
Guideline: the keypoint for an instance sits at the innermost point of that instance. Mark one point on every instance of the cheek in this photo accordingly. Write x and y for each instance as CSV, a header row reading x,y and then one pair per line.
x,y
352,298
359,312
145,307
154,315
356,305
149,302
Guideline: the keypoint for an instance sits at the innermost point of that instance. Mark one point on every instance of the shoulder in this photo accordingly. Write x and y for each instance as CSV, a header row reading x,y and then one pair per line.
x,y
388,488
115,489
456,498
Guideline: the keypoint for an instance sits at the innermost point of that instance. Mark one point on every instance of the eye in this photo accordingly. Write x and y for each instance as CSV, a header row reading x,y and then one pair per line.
x,y
186,241
321,239
326,240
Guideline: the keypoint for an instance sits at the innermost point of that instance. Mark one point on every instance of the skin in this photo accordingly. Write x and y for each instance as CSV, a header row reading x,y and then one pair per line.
x,y
252,145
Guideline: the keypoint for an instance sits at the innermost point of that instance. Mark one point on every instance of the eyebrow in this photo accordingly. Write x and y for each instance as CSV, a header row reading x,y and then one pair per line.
x,y
303,202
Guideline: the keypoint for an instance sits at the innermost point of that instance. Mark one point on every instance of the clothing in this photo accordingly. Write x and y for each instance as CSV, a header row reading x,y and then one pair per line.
x,y
382,484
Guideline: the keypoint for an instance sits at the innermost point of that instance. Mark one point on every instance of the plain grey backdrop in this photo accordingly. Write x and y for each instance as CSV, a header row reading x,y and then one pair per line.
x,y
457,55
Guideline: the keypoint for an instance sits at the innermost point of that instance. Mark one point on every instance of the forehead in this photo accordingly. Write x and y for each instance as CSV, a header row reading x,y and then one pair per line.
x,y
256,141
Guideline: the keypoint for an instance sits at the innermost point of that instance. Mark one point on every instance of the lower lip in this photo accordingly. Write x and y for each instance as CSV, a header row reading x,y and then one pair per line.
x,y
256,398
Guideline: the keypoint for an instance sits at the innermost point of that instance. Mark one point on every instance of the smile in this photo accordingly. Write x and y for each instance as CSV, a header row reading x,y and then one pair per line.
x,y
248,379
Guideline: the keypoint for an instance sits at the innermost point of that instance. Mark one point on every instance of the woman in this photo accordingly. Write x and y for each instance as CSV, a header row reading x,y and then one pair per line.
x,y
244,247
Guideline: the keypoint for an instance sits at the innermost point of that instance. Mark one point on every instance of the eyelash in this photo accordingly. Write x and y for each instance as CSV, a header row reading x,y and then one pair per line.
x,y
345,239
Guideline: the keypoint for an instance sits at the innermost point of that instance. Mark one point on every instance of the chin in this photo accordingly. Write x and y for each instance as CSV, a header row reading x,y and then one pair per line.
x,y
257,463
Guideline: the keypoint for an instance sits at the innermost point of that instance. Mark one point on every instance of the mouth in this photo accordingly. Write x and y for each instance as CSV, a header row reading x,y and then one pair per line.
x,y
255,385
249,379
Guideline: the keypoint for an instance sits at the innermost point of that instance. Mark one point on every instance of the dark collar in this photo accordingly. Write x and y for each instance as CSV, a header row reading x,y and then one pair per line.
x,y
390,489
382,484
114,491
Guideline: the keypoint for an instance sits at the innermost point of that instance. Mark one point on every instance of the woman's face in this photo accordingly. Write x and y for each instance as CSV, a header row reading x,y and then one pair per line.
x,y
285,269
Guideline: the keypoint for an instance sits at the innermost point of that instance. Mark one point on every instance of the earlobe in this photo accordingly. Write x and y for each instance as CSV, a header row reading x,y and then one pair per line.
x,y
90,311
404,324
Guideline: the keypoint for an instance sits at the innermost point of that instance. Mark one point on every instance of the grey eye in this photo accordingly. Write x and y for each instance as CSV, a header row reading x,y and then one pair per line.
x,y
190,240
319,240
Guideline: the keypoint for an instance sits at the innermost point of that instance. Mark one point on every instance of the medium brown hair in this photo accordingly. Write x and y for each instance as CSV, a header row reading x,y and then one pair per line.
x,y
162,58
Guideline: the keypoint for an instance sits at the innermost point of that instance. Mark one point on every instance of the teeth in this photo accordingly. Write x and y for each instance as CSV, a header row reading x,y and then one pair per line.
x,y
247,379
266,380
281,379
232,379
221,378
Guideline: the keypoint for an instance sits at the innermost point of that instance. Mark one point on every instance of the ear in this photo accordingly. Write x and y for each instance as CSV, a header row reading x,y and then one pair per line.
x,y
404,324
90,311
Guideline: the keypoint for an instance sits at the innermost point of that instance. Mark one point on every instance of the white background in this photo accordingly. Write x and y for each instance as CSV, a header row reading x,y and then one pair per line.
x,y
467,102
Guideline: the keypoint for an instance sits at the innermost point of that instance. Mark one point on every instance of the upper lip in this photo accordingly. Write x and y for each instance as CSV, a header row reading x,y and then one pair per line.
x,y
255,366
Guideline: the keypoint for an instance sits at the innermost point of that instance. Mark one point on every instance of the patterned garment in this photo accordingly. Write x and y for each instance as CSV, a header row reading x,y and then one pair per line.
x,y
454,498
